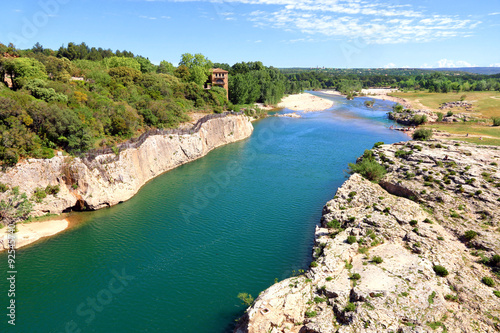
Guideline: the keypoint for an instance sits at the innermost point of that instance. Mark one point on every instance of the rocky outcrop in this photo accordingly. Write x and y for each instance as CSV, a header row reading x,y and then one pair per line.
x,y
416,254
110,179
413,117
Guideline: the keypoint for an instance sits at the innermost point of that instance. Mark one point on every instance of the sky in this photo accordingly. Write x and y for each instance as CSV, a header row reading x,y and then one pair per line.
x,y
280,33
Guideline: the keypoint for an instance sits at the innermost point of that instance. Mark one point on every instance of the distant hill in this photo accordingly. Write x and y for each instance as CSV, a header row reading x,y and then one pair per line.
x,y
398,71
473,70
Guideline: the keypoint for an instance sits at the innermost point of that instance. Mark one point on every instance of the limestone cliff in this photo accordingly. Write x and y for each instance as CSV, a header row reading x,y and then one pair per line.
x,y
417,254
110,179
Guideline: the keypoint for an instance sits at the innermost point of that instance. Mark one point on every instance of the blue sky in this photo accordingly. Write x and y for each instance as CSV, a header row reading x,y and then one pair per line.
x,y
281,33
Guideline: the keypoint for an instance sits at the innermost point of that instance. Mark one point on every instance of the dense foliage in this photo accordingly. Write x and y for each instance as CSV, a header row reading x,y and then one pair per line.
x,y
351,80
78,98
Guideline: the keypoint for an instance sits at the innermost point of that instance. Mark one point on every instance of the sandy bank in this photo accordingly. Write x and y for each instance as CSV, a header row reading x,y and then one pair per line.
x,y
305,102
376,93
31,232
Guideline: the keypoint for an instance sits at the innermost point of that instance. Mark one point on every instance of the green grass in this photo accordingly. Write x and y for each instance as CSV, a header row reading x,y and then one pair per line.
x,y
482,101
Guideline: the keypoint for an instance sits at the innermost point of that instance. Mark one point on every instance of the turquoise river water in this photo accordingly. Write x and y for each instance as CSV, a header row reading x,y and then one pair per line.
x,y
174,257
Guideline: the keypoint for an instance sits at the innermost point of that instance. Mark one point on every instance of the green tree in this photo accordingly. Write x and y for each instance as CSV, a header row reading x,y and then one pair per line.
x,y
23,69
199,67
165,67
113,62
15,207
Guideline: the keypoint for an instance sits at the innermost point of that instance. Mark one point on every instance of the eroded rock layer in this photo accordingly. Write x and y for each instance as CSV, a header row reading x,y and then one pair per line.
x,y
419,254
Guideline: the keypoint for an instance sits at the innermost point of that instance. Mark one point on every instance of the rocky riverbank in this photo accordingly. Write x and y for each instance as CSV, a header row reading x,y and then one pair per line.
x,y
417,253
108,179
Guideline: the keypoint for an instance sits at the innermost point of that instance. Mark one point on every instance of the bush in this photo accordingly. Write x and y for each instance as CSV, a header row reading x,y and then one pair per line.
x,y
413,223
440,116
39,194
377,259
488,281
350,307
247,299
369,169
355,276
314,264
378,144
3,188
351,239
334,224
418,119
52,189
470,235
495,260
449,114
440,270
422,134
496,121
311,314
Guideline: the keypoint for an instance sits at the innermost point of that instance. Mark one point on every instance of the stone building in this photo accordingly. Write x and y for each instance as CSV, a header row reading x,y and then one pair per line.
x,y
219,78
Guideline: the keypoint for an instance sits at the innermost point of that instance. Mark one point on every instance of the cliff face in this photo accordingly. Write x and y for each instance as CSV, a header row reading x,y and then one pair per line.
x,y
377,254
110,179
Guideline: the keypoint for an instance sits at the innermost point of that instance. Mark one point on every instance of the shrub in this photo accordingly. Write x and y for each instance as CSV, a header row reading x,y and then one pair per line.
x,y
377,260
334,224
39,194
247,299
440,116
319,299
422,134
378,144
440,270
496,121
496,293
355,276
488,281
352,194
413,223
495,260
3,188
329,278
350,307
311,314
314,264
370,170
449,114
351,239
52,189
470,235
403,153
418,119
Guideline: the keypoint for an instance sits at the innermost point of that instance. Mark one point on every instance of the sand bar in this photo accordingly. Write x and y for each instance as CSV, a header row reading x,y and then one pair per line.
x,y
31,232
305,102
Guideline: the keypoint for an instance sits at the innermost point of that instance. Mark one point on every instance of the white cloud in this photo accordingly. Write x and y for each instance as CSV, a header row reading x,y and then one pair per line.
x,y
380,22
390,65
258,41
445,63
147,17
498,13
495,65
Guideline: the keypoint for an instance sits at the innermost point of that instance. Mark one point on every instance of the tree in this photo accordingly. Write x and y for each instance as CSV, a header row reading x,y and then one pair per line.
x,y
23,69
113,62
146,65
165,67
199,67
16,207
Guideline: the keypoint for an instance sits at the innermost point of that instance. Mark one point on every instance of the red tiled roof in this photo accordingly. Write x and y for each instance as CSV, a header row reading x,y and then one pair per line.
x,y
219,70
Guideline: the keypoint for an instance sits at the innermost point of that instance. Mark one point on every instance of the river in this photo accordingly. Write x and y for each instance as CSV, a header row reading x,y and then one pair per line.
x,y
174,257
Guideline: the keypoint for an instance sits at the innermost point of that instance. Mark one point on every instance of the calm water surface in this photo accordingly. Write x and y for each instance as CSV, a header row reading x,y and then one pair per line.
x,y
174,257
